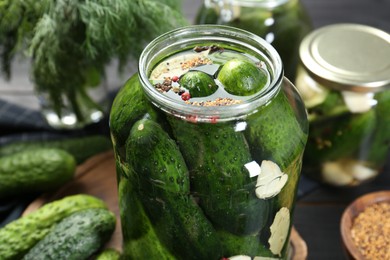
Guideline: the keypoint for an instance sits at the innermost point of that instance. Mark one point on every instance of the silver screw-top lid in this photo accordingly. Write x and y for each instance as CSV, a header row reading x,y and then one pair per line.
x,y
348,57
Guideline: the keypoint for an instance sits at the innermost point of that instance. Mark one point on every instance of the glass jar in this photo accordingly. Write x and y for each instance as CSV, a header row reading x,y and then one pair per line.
x,y
203,173
344,80
74,108
283,23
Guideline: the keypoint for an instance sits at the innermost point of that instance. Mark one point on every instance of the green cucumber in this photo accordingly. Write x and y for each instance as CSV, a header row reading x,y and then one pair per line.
x,y
243,245
275,134
342,137
164,193
331,107
18,236
76,237
35,170
109,254
129,106
198,83
242,78
380,142
81,148
216,155
286,197
137,230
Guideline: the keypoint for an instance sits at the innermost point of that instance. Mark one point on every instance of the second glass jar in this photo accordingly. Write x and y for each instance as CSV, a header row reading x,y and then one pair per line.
x,y
283,23
344,80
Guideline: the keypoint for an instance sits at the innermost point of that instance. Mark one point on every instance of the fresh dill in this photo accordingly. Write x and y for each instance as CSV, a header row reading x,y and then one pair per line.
x,y
70,42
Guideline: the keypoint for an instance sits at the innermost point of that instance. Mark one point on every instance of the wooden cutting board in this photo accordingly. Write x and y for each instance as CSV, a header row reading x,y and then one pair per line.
x,y
97,177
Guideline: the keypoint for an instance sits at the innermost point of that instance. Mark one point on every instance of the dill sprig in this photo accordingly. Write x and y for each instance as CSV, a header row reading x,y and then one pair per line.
x,y
71,41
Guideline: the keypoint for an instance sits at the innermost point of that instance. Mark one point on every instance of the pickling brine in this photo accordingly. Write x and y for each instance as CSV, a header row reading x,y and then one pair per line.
x,y
208,141
344,81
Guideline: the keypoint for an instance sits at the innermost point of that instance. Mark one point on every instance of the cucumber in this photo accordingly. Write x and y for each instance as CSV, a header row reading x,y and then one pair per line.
x,y
137,230
76,237
164,193
331,107
129,106
198,83
275,134
380,142
81,148
216,155
18,236
35,170
342,137
243,245
109,254
242,78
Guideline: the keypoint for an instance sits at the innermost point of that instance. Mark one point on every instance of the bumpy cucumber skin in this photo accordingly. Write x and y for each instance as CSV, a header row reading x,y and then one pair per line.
x,y
109,254
243,245
81,148
241,77
138,232
198,83
275,134
76,237
216,155
129,106
164,183
19,236
35,170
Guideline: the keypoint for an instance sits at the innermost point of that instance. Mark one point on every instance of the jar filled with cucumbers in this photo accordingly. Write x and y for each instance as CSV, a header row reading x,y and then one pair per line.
x,y
344,80
208,140
283,23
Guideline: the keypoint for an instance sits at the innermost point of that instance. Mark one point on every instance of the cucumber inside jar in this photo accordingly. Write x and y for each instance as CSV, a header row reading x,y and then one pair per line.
x,y
226,195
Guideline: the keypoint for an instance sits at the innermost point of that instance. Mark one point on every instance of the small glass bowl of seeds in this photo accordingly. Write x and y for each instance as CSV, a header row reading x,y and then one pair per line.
x,y
365,227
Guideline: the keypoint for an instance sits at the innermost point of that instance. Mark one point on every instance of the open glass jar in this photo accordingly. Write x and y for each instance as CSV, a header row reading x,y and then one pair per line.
x,y
208,142
283,23
344,80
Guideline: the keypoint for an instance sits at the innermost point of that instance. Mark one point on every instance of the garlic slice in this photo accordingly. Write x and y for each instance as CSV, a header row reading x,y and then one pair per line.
x,y
279,231
270,181
240,257
358,102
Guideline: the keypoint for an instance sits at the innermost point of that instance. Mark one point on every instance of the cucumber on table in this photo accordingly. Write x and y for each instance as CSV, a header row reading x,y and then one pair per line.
x,y
216,155
76,237
164,184
81,148
17,237
35,170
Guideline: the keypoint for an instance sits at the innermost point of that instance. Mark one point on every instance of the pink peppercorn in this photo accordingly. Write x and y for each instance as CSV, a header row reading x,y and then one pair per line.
x,y
175,78
185,96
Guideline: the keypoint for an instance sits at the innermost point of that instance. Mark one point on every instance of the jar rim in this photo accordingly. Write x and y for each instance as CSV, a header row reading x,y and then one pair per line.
x,y
179,38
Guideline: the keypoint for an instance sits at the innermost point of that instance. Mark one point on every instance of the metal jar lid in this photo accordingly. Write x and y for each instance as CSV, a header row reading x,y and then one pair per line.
x,y
348,57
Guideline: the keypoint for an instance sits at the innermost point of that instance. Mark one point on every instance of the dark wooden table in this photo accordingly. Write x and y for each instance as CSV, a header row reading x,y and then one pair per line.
x,y
318,213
